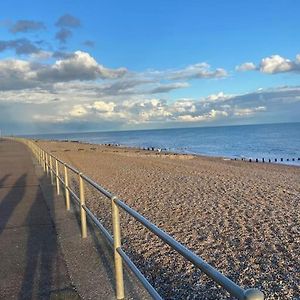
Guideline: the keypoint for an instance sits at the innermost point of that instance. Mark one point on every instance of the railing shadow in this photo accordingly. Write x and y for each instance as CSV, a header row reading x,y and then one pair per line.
x,y
104,250
2,180
11,199
97,240
40,250
45,276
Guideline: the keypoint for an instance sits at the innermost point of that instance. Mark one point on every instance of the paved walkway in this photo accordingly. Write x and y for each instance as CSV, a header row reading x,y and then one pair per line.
x,y
42,255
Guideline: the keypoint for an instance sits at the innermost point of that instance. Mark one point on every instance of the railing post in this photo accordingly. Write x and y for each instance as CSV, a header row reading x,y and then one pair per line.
x,y
117,244
66,188
38,155
51,169
44,161
57,174
254,294
47,164
82,211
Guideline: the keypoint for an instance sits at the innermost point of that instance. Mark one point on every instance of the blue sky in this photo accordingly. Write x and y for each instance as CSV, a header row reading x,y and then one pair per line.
x,y
109,65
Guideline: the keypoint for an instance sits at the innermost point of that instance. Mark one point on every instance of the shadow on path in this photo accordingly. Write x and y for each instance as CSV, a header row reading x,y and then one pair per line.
x,y
11,199
2,180
45,275
105,250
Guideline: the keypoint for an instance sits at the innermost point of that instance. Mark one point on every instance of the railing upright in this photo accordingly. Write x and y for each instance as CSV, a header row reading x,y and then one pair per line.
x,y
117,244
47,163
67,193
82,211
51,169
57,177
44,161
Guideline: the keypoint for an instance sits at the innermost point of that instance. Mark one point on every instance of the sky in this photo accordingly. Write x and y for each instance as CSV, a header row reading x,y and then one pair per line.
x,y
68,66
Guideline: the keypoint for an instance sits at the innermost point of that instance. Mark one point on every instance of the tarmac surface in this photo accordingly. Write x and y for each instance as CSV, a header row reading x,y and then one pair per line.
x,y
42,254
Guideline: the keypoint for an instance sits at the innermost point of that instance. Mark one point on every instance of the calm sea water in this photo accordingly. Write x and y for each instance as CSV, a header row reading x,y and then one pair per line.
x,y
249,141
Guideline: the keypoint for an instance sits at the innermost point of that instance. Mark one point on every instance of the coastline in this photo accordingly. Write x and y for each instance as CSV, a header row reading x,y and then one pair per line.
x,y
269,142
241,217
294,161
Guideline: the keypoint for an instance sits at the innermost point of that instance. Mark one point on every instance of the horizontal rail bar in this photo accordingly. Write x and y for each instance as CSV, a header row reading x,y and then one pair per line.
x,y
72,169
99,225
126,258
60,161
213,273
61,180
154,294
53,156
97,186
74,195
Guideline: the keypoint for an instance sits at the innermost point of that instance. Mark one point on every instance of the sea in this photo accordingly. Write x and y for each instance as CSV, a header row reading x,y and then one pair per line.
x,y
268,141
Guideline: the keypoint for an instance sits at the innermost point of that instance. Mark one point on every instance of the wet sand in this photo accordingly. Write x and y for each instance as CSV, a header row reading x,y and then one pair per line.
x,y
241,217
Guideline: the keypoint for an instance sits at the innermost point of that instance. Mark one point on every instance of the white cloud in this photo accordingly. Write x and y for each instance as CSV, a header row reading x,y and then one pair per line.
x,y
184,106
40,56
276,64
80,66
211,115
78,111
247,66
16,74
197,71
102,106
273,64
50,119
216,97
248,111
164,88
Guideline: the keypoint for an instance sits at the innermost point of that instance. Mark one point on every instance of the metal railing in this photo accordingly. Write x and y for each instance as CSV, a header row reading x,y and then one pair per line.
x,y
46,160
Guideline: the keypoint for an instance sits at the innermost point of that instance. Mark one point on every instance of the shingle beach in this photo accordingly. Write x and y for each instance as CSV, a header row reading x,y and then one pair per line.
x,y
241,217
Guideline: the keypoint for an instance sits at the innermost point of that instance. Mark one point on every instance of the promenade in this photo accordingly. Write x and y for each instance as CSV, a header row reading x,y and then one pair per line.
x,y
42,254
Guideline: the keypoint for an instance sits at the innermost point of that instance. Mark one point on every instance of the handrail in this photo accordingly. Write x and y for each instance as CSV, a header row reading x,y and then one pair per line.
x,y
218,277
45,159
